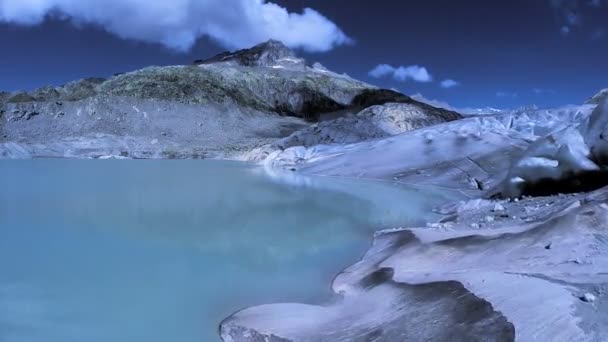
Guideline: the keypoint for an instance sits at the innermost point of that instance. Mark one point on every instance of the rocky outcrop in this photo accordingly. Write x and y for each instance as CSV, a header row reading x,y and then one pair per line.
x,y
20,97
302,93
379,121
269,54
371,97
4,96
73,91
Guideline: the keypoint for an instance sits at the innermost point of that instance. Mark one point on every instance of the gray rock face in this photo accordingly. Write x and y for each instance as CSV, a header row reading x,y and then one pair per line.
x,y
599,97
137,128
73,91
268,54
302,93
374,122
371,97
262,78
20,97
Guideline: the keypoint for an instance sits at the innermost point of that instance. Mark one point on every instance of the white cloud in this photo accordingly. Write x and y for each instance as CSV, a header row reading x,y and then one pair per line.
x,y
403,73
177,24
382,70
447,84
412,72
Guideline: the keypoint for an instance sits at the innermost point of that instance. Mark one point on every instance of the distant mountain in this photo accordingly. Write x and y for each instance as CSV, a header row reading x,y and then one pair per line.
x,y
228,103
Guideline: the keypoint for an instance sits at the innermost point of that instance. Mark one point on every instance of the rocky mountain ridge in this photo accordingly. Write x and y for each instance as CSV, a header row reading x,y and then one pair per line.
x,y
256,95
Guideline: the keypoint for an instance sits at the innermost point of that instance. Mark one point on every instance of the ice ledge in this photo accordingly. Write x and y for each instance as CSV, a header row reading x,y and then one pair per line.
x,y
514,280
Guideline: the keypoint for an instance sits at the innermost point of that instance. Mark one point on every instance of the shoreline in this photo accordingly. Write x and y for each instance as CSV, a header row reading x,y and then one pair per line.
x,y
369,274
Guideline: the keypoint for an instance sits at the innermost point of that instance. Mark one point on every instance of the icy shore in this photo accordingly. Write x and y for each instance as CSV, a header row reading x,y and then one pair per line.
x,y
518,268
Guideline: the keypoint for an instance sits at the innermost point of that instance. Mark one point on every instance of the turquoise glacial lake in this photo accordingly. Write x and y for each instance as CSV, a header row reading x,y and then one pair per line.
x,y
143,250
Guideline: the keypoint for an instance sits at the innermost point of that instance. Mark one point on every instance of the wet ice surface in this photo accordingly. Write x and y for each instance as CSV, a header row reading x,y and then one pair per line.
x,y
163,250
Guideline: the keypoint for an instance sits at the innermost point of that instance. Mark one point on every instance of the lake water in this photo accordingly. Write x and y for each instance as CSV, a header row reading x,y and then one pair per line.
x,y
98,251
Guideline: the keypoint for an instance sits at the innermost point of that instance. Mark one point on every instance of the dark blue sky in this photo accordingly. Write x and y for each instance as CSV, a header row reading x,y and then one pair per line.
x,y
504,53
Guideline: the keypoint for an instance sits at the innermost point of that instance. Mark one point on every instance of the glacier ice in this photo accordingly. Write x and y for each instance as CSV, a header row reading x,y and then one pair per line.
x,y
568,160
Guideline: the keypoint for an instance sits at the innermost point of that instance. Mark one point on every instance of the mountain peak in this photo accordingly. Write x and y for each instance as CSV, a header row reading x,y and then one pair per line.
x,y
273,44
597,98
269,53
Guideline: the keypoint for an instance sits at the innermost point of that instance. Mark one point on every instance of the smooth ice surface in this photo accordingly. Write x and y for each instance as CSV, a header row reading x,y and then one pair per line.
x,y
163,250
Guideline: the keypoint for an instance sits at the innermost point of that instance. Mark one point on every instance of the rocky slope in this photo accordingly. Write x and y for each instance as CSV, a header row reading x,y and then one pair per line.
x,y
378,121
217,107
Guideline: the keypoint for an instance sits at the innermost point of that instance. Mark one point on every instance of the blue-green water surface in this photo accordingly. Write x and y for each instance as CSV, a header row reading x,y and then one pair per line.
x,y
98,251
